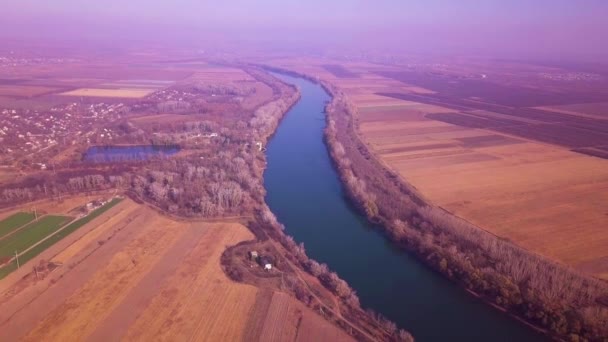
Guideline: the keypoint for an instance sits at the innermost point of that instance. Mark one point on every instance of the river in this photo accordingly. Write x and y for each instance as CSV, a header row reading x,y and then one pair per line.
x,y
306,195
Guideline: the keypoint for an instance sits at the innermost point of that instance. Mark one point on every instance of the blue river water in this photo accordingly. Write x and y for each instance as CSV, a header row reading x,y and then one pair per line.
x,y
304,191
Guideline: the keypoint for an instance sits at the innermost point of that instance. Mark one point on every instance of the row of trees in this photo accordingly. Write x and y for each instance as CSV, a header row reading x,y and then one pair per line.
x,y
224,180
547,294
59,185
329,279
227,178
266,118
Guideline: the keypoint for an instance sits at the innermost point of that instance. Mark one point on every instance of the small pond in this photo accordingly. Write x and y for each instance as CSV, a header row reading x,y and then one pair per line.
x,y
113,154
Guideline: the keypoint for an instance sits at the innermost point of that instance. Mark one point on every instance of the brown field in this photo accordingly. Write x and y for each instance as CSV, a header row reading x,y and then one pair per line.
x,y
24,90
133,93
592,110
263,94
545,198
222,74
164,119
509,171
133,274
289,320
64,206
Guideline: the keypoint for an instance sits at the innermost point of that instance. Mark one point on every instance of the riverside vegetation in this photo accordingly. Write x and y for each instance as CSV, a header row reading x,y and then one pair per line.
x,y
558,300
220,178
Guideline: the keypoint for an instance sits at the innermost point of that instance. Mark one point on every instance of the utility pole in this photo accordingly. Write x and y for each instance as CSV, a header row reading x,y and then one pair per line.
x,y
17,257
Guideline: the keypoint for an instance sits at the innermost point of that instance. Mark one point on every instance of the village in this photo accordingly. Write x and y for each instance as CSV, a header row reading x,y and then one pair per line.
x,y
12,60
26,132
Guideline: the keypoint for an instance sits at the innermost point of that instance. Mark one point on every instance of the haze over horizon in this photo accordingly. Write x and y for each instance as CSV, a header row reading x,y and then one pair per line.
x,y
548,29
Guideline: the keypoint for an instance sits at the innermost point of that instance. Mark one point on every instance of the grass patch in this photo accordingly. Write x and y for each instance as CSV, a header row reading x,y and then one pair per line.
x,y
72,227
31,234
11,223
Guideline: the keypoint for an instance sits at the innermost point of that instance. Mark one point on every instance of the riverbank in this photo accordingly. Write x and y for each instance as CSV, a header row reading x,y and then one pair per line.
x,y
294,291
516,281
348,315
544,294
306,194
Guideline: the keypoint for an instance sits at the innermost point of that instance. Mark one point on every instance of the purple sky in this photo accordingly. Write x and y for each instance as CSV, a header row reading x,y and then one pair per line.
x,y
527,28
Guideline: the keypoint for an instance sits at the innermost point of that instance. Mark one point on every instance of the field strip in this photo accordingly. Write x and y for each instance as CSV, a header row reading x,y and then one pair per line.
x,y
56,236
117,323
14,223
31,235
199,302
22,313
259,311
75,247
275,326
176,294
78,316
48,237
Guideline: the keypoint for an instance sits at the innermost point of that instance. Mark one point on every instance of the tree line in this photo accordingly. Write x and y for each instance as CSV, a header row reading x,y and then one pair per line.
x,y
562,301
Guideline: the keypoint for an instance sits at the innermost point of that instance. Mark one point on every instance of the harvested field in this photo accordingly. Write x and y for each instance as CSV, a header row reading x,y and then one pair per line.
x,y
508,170
339,71
591,110
289,320
533,194
488,141
566,130
24,91
263,94
136,275
137,84
221,74
492,92
119,93
221,307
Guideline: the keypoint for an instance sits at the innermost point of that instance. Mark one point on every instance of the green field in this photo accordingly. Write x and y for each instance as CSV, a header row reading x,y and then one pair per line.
x,y
31,234
11,223
72,227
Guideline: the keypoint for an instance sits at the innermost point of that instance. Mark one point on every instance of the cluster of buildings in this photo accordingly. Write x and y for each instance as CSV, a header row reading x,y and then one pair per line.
x,y
264,261
172,95
12,60
571,76
27,131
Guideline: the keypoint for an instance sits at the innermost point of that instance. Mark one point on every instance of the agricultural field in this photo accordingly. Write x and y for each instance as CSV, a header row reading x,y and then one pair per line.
x,y
13,222
24,91
507,160
31,239
118,92
31,234
132,274
285,319
591,110
121,89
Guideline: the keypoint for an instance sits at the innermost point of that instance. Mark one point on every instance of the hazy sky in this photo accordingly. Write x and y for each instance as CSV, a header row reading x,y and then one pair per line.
x,y
499,27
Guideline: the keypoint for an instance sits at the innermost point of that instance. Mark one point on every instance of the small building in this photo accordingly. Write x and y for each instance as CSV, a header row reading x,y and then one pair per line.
x,y
253,255
265,262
